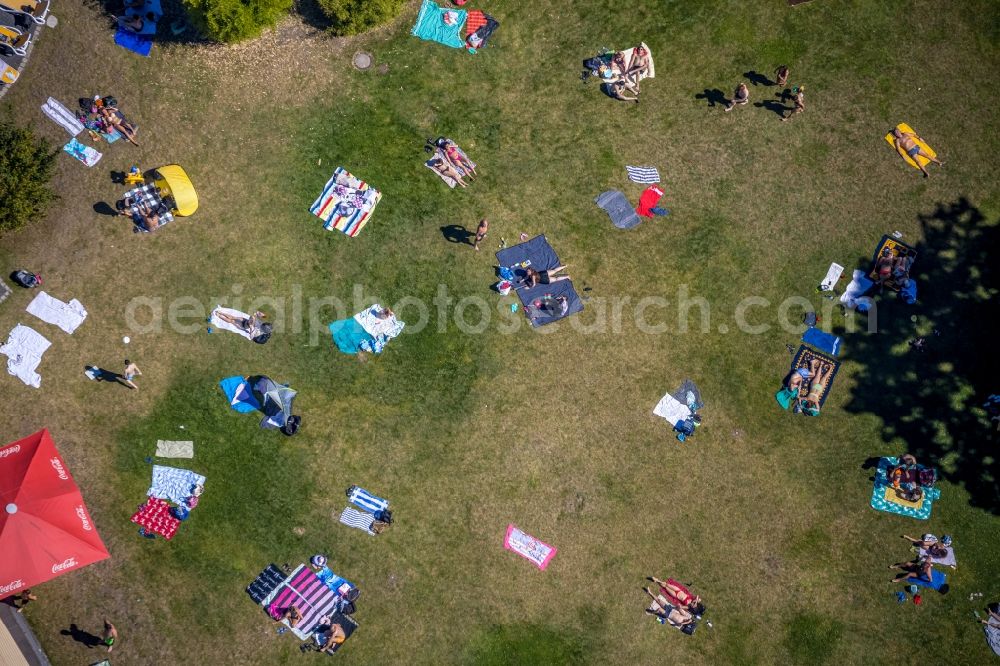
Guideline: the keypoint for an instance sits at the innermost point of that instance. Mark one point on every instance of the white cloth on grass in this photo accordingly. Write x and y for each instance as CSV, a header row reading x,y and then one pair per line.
x,y
24,349
948,560
993,635
169,449
832,276
173,483
644,175
67,316
62,116
671,409
225,325
358,519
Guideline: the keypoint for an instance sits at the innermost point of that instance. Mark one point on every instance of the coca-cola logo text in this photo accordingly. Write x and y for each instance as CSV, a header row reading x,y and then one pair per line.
x,y
10,450
57,466
82,515
68,563
10,587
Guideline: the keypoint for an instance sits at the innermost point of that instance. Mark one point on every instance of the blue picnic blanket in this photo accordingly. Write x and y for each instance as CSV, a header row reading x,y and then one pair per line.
x,y
431,25
542,257
349,336
938,579
238,392
173,483
821,340
136,43
880,503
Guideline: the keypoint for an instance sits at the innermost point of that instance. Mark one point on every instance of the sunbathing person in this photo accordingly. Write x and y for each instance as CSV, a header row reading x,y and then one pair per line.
x,y
251,324
679,595
798,376
533,277
617,90
292,614
443,167
455,157
820,374
906,144
114,119
145,216
929,543
678,617
919,568
741,97
638,65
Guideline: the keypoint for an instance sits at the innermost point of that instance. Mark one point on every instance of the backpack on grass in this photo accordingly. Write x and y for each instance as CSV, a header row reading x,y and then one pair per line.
x,y
26,279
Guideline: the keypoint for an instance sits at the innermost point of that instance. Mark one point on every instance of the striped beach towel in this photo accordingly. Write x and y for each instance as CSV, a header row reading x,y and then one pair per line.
x,y
358,519
644,175
304,590
346,203
62,116
363,499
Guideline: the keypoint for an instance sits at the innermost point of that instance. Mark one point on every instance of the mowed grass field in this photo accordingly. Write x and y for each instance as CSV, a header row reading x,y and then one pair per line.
x,y
467,427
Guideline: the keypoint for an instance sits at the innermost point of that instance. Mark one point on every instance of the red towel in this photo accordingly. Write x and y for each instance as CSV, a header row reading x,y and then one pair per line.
x,y
155,517
474,21
650,197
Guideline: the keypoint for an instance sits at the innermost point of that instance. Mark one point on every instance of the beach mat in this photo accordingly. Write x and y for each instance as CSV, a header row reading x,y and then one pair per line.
x,y
888,502
891,140
542,257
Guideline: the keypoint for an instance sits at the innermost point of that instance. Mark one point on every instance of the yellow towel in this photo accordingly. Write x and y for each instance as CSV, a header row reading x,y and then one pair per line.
x,y
891,496
903,127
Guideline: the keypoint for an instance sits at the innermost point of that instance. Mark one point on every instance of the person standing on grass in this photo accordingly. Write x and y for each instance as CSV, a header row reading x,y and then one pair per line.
x,y
481,231
110,635
781,76
131,371
741,97
800,103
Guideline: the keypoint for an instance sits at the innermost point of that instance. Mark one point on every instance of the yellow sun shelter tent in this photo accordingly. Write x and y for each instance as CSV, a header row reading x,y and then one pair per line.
x,y
177,184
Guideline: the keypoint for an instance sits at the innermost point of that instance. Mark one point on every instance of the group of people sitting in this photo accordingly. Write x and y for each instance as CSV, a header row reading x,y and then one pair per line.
x,y
674,605
619,73
909,478
145,215
450,161
101,114
814,378
890,266
929,550
140,16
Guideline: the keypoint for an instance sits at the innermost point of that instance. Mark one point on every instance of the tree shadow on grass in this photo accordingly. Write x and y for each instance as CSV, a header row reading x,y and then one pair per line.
x,y
932,400
714,97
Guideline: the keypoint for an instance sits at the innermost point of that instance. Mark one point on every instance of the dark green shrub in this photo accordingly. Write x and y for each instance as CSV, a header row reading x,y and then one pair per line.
x,y
352,17
26,165
236,20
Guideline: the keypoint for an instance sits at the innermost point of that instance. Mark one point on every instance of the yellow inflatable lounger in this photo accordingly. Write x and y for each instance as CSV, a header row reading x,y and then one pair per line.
x,y
903,127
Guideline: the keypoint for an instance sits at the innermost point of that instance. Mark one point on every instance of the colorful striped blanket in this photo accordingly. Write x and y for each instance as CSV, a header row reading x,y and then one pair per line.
x,y
346,203
304,590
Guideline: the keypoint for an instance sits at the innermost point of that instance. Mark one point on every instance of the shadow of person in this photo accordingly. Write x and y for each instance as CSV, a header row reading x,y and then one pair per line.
x,y
102,375
456,233
713,97
104,208
771,105
118,177
757,78
80,636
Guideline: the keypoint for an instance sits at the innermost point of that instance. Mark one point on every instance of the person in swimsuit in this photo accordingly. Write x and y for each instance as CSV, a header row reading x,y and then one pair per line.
x,y
617,90
679,595
919,568
481,231
637,66
249,324
820,374
442,166
798,376
741,97
131,370
457,160
533,277
678,617
906,145
781,75
145,216
800,103
113,117
110,635
329,634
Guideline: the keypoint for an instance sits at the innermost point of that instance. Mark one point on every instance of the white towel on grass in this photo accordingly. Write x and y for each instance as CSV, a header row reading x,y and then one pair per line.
x,y
832,277
67,316
671,409
24,349
644,175
62,116
173,483
358,519
225,325
169,449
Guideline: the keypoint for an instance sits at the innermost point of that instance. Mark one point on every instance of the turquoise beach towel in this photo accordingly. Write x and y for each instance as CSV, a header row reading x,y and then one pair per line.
x,y
348,335
430,25
880,503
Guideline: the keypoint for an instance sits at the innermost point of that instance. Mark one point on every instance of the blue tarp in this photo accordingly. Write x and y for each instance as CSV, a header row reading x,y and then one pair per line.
x,y
348,335
238,392
430,25
133,42
823,341
937,580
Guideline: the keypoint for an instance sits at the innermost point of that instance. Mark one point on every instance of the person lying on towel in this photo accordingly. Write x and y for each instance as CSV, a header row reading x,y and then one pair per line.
x,y
819,372
554,307
920,568
637,66
457,160
254,324
292,614
677,617
906,144
934,549
442,166
679,595
533,277
145,216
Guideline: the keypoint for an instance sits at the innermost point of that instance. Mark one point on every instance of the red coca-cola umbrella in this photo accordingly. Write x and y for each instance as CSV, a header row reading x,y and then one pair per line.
x,y
45,529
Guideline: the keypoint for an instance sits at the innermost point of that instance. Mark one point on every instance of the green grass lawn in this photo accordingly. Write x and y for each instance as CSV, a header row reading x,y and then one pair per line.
x,y
468,430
